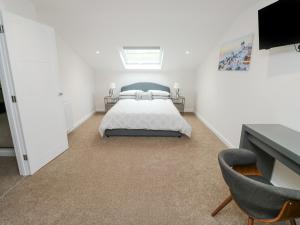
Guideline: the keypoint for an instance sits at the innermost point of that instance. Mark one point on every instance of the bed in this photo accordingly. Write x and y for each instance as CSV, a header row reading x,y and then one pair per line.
x,y
155,117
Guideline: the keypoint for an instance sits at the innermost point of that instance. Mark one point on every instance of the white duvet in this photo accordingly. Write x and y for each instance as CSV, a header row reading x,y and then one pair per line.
x,y
157,114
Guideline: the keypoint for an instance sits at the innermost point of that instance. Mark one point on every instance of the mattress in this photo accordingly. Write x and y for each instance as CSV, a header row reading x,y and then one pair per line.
x,y
156,114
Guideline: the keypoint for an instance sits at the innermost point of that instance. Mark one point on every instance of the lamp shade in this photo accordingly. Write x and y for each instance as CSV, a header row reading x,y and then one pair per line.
x,y
112,86
176,85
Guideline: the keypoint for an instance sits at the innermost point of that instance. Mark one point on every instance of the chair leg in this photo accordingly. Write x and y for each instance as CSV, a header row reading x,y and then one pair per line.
x,y
250,221
293,222
220,207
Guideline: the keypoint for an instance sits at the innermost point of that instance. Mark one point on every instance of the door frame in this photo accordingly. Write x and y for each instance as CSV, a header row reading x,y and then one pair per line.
x,y
12,107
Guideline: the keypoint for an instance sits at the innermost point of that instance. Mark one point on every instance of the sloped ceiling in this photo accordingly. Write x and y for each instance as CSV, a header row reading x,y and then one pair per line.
x,y
107,25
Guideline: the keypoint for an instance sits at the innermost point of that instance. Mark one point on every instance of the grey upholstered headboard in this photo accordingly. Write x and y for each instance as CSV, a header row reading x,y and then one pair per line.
x,y
145,86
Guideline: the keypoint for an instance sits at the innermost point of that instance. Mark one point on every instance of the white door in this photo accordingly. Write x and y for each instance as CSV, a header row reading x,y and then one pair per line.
x,y
34,69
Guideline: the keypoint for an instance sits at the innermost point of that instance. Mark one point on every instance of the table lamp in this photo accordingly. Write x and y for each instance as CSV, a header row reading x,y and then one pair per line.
x,y
176,87
112,88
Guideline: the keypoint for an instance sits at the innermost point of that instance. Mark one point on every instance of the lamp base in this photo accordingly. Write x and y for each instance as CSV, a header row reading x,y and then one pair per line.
x,y
111,92
177,93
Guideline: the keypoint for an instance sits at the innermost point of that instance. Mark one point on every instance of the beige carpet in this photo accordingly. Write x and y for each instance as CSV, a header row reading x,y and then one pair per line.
x,y
125,181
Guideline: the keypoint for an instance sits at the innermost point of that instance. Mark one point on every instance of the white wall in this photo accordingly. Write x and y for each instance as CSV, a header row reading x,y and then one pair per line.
x,y
78,82
23,8
268,93
184,78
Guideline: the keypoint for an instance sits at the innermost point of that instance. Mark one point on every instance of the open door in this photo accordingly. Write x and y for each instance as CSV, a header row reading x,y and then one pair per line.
x,y
32,55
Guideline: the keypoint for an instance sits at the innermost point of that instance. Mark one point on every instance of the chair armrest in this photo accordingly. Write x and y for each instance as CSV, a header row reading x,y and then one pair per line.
x,y
238,157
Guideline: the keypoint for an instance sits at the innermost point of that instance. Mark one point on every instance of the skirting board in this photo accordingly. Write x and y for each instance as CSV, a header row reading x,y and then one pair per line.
x,y
100,110
189,110
215,131
81,121
7,152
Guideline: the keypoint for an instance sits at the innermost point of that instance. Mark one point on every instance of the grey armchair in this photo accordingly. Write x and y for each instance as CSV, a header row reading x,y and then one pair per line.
x,y
254,194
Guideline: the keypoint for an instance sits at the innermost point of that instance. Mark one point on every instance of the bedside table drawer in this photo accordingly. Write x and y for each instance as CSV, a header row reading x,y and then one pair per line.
x,y
109,102
180,107
108,106
179,103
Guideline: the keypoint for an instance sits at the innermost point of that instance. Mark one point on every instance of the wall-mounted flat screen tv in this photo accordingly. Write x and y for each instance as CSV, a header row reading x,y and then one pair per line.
x,y
279,24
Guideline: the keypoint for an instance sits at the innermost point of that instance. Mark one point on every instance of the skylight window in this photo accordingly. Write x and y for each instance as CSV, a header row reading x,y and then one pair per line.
x,y
142,58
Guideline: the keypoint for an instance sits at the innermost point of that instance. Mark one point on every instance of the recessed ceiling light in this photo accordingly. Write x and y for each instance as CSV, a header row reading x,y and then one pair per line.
x,y
187,52
98,52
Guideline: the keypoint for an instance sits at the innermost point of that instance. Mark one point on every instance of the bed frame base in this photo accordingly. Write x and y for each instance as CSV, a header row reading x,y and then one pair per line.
x,y
142,133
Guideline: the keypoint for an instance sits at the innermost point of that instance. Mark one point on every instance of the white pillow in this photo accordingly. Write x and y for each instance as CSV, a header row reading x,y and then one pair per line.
x,y
127,97
160,93
146,95
160,97
157,94
142,95
128,93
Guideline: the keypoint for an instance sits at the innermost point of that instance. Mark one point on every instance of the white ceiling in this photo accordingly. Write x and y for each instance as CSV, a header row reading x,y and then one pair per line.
x,y
107,25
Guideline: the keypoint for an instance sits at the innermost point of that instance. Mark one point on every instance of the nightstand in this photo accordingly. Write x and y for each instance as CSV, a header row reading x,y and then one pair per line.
x,y
179,103
109,102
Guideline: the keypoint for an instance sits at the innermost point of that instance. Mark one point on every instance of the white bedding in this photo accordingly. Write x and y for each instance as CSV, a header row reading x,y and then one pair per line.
x,y
157,114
